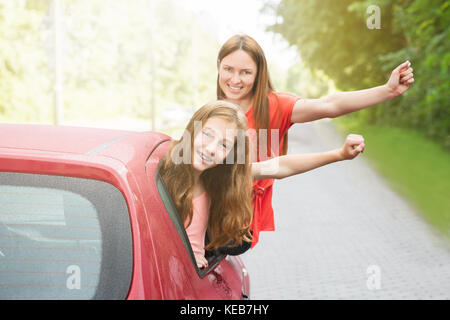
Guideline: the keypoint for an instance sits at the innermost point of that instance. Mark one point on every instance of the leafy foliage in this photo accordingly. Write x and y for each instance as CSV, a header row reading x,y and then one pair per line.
x,y
24,81
118,58
332,36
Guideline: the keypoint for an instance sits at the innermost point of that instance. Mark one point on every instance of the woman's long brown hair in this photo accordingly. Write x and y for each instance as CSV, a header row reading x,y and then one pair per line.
x,y
262,86
228,185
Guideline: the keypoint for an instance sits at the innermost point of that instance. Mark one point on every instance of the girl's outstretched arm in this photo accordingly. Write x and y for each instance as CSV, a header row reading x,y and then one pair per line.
x,y
289,165
341,103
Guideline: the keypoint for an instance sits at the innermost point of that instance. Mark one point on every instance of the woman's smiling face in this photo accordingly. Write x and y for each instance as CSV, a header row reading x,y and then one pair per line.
x,y
213,143
237,74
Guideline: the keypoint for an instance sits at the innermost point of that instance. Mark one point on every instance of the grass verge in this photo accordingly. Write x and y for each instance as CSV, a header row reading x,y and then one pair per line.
x,y
414,166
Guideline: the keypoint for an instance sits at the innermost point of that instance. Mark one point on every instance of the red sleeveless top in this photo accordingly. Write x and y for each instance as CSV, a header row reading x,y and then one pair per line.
x,y
280,111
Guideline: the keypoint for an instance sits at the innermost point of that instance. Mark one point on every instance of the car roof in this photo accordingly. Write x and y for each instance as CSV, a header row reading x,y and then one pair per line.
x,y
119,144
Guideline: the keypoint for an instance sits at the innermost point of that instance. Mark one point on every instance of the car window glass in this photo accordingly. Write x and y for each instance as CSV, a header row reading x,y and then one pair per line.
x,y
53,243
47,238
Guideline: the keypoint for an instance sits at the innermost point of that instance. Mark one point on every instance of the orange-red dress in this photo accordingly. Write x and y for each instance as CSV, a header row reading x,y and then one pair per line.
x,y
280,111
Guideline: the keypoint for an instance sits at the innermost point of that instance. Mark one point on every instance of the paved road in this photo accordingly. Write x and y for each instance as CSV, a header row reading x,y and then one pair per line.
x,y
342,233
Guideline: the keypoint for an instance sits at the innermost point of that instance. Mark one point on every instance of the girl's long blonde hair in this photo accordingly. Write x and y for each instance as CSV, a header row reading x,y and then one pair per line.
x,y
228,185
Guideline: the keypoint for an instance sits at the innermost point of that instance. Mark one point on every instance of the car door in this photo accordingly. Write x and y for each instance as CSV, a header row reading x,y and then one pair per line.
x,y
220,280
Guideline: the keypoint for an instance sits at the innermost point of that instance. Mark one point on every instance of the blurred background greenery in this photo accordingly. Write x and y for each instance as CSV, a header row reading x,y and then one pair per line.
x,y
117,58
408,138
148,64
331,37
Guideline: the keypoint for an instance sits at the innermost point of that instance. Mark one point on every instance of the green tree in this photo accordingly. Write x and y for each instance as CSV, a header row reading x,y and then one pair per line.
x,y
25,85
332,36
114,53
426,25
111,48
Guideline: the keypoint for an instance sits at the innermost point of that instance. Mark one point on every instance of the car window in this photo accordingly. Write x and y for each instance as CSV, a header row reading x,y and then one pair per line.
x,y
63,238
213,257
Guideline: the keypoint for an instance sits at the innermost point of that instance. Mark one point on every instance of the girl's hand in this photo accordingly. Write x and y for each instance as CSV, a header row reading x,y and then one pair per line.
x,y
201,261
354,144
401,79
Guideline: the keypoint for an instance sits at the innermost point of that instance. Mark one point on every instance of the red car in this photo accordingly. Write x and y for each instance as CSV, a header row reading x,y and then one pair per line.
x,y
85,215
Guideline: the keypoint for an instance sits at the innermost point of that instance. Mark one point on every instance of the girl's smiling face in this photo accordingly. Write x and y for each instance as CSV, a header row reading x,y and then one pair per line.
x,y
213,143
237,74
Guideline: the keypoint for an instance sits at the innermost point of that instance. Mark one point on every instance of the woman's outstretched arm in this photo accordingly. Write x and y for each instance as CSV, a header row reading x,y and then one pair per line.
x,y
341,103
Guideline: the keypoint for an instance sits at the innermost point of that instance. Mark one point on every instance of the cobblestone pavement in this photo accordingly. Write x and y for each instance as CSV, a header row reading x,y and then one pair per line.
x,y
342,233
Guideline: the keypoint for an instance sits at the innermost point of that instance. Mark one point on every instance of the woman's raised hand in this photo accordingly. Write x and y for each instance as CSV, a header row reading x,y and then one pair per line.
x,y
401,78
